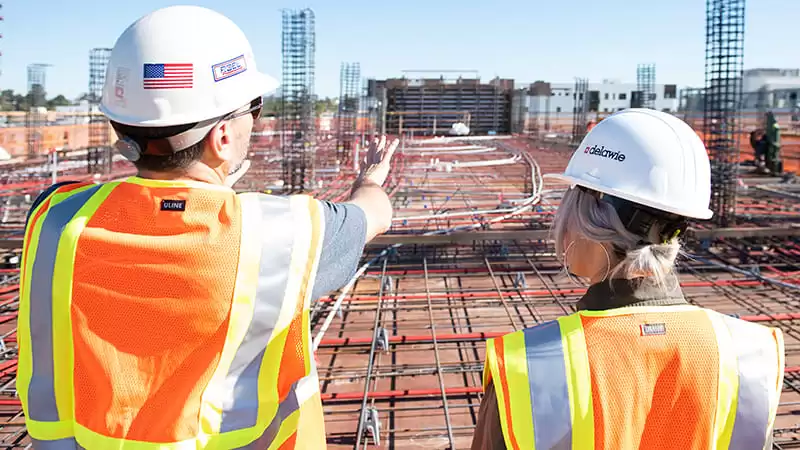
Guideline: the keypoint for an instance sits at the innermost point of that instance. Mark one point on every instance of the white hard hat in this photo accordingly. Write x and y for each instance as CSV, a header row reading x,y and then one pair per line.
x,y
647,157
180,65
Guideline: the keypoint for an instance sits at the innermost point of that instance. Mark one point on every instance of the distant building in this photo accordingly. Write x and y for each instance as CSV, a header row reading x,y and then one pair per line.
x,y
605,97
429,106
774,89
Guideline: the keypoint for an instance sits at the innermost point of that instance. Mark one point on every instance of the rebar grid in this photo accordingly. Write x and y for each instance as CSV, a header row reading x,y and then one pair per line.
x,y
298,102
347,115
646,85
723,95
98,156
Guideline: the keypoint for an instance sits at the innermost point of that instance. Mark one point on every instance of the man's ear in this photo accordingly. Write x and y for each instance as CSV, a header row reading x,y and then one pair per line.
x,y
219,141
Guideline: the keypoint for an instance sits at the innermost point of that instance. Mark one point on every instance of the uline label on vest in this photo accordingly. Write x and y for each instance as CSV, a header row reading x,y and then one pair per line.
x,y
653,329
173,205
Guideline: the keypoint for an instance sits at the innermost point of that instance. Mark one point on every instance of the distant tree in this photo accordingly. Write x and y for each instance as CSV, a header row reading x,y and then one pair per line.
x,y
58,100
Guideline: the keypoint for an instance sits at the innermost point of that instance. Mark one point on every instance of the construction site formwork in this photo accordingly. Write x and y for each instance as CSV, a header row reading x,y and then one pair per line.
x,y
401,352
403,345
426,107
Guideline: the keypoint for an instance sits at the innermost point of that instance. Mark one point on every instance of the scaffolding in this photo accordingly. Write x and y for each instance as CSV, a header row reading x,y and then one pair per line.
x,y
427,106
36,116
722,115
579,112
347,115
646,84
99,154
298,103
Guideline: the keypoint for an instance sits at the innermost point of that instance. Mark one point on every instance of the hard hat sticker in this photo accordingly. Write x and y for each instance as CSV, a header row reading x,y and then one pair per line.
x,y
168,76
229,68
120,83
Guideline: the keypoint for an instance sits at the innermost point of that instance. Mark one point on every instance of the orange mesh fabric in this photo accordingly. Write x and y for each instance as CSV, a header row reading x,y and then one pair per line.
x,y
151,300
653,390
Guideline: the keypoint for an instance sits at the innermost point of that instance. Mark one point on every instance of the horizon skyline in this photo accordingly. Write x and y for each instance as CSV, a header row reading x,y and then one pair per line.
x,y
536,42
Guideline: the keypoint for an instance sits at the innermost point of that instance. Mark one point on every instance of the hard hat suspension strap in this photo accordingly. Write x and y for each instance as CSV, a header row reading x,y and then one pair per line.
x,y
640,219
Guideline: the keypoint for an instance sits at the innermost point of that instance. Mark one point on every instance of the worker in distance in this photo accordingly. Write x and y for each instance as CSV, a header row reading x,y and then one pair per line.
x,y
637,366
165,311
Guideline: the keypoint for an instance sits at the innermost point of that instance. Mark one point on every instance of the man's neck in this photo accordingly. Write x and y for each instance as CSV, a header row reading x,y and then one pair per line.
x,y
196,172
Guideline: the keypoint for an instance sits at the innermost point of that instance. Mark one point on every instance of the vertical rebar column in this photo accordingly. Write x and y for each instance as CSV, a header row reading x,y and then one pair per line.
x,y
722,111
37,101
98,155
2,18
579,111
646,84
347,115
298,102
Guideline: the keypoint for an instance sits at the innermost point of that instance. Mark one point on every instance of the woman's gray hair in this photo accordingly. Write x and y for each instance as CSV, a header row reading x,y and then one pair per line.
x,y
583,215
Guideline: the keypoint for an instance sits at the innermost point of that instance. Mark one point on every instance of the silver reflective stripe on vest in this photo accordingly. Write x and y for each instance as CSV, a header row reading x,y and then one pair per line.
x,y
547,376
757,381
41,391
241,405
285,409
60,444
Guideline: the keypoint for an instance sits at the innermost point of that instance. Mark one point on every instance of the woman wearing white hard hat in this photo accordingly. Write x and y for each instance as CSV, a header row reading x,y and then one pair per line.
x,y
636,366
167,311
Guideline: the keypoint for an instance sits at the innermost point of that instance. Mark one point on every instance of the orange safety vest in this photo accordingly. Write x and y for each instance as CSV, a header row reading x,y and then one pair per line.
x,y
169,315
668,378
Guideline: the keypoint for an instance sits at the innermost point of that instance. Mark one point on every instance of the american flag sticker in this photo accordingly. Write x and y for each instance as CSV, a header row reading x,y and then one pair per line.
x,y
168,76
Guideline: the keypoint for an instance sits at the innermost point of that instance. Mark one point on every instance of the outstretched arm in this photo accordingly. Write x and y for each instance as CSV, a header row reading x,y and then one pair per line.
x,y
368,193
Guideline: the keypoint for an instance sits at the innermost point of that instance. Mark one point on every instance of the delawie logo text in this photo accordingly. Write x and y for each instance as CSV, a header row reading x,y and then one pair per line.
x,y
603,152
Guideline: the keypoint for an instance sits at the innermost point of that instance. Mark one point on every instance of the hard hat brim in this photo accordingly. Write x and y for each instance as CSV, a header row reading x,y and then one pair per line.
x,y
571,180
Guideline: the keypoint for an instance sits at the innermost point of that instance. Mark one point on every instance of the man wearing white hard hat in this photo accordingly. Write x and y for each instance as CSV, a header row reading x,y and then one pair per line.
x,y
165,311
636,366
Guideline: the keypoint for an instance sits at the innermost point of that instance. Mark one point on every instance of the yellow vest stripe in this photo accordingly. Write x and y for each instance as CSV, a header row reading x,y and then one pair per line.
x,y
757,363
576,362
727,384
63,353
40,382
516,376
219,399
547,383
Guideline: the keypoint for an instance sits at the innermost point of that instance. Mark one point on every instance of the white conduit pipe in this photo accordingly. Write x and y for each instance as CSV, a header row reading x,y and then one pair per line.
x,y
535,197
461,138
423,152
437,149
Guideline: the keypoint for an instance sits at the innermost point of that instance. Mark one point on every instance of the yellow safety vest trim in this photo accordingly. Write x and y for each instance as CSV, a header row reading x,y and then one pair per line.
x,y
63,354
241,313
579,385
727,385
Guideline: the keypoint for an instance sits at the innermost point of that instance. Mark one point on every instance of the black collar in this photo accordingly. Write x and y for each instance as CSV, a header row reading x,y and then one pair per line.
x,y
619,293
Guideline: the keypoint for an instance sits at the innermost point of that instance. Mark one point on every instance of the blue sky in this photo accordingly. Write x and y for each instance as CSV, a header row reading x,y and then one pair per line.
x,y
526,40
